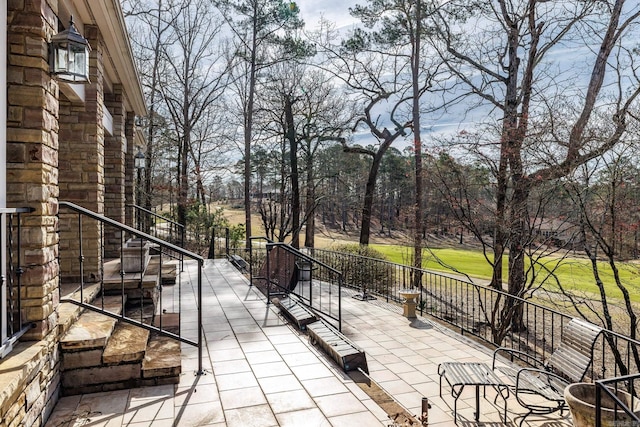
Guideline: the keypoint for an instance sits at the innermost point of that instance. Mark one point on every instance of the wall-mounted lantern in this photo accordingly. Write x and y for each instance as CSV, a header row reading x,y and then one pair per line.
x,y
69,56
139,160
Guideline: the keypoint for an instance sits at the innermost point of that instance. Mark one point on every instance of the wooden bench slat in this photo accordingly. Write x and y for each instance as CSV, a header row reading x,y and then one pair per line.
x,y
338,346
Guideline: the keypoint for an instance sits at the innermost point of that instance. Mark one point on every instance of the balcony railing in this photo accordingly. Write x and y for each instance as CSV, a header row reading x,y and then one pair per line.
x,y
12,324
494,316
489,314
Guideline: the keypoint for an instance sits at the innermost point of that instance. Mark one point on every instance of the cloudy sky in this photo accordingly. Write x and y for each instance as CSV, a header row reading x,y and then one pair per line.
x,y
334,10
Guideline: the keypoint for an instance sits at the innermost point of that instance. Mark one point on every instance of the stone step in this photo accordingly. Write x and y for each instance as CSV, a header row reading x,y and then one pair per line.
x,y
131,359
68,312
101,378
162,359
114,281
170,272
92,329
128,343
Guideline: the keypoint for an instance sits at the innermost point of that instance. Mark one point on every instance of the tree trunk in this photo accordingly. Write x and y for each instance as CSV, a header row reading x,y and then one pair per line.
x,y
310,206
417,143
365,227
248,132
295,184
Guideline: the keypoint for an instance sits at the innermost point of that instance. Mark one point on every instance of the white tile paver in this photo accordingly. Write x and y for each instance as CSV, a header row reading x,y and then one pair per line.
x,y
262,372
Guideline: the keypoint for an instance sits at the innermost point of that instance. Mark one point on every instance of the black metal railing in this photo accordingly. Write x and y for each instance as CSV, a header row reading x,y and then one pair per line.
x,y
279,269
159,226
131,245
257,255
492,315
617,401
12,323
219,243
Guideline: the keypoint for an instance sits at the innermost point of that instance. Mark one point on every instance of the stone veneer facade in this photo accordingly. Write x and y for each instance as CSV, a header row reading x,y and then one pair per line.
x,y
57,149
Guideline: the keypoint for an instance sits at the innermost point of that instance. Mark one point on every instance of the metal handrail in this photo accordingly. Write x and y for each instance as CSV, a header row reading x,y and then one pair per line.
x,y
604,387
163,244
252,258
213,241
329,277
180,228
155,215
11,328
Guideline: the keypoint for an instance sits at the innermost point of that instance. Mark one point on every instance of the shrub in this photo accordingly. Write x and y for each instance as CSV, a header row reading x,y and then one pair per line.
x,y
364,268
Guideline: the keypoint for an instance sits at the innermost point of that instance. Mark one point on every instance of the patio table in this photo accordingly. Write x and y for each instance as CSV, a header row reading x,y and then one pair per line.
x,y
461,374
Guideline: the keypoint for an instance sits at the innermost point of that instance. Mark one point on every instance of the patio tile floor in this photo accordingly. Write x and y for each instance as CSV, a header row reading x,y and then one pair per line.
x,y
260,371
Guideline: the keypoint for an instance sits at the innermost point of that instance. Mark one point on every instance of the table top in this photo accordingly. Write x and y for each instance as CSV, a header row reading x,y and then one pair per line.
x,y
468,373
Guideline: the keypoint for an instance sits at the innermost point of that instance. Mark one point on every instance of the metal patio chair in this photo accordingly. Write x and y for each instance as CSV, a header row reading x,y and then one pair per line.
x,y
539,386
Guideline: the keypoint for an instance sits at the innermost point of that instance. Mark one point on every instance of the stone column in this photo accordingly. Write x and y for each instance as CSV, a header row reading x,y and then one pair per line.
x,y
114,169
32,156
32,180
129,175
82,177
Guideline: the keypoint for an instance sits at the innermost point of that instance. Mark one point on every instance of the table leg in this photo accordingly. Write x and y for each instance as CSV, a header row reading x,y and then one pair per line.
x,y
477,414
455,403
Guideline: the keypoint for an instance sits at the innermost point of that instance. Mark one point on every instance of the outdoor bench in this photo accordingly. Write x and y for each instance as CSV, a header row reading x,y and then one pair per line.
x,y
238,262
338,346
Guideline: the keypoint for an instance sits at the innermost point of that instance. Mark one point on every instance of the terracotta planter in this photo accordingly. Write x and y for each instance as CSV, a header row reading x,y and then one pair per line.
x,y
581,398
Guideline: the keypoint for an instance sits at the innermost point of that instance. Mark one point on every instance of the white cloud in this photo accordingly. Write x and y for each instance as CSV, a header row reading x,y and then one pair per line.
x,y
336,11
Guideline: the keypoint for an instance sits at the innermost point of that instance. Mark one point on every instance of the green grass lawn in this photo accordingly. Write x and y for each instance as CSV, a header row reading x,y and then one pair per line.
x,y
574,274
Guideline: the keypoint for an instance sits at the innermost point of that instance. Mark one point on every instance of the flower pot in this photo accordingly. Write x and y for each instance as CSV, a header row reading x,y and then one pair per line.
x,y
581,398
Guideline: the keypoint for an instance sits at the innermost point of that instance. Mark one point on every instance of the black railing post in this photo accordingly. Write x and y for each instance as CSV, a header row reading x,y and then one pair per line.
x,y
199,302
81,257
268,278
12,326
251,263
226,241
212,250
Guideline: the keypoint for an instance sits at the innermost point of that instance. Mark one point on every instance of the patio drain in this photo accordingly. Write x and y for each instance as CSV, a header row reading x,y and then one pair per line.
x,y
397,414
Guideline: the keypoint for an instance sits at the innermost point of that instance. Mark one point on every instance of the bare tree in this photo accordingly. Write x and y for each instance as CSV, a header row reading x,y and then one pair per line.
x,y
258,25
507,67
193,81
386,68
602,192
